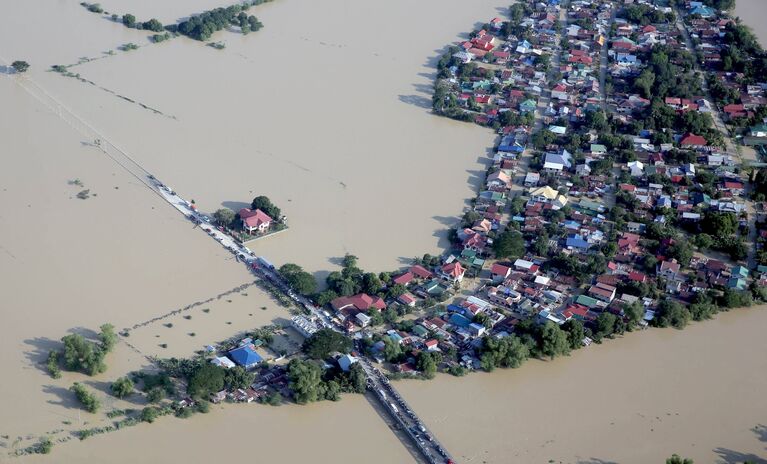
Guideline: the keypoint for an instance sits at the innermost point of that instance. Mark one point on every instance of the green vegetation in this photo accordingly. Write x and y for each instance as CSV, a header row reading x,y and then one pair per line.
x,y
265,204
206,379
309,383
676,459
202,26
510,244
505,352
298,279
93,7
83,355
149,414
52,364
324,342
86,398
225,217
156,38
129,20
122,387
20,66
128,47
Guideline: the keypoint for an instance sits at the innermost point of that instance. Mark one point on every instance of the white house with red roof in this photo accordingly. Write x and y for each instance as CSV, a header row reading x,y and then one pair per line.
x,y
255,220
452,272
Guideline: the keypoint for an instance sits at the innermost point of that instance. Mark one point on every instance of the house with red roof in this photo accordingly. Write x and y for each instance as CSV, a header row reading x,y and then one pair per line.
x,y
500,272
452,272
403,279
407,299
361,302
255,221
693,141
421,272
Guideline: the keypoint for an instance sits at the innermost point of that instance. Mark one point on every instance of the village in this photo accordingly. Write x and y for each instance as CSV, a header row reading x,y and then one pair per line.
x,y
626,190
616,197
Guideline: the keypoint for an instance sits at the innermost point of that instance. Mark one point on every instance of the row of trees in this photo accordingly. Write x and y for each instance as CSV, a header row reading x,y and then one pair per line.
x,y
202,26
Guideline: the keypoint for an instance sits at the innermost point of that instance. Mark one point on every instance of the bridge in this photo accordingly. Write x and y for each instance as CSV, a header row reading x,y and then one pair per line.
x,y
391,401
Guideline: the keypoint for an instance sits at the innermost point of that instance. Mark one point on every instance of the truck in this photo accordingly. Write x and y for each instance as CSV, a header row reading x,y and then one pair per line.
x,y
394,408
382,393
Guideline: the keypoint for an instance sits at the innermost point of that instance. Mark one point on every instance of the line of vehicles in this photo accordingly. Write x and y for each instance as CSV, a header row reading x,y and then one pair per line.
x,y
411,424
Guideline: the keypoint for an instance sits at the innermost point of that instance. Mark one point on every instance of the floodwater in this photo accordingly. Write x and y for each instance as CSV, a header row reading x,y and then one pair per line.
x,y
638,399
752,13
326,111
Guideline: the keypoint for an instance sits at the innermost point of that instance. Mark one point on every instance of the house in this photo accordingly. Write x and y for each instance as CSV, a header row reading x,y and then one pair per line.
x,y
363,319
603,292
403,279
360,302
420,272
452,272
636,168
759,130
576,242
222,361
668,269
526,266
345,362
255,221
407,299
432,345
499,272
692,141
555,162
245,356
532,179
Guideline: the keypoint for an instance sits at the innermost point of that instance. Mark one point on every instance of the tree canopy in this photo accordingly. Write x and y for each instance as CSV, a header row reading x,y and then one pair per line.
x,y
206,379
265,204
300,280
326,341
510,244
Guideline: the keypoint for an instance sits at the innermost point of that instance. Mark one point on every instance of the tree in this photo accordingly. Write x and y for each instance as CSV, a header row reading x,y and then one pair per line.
x,y
83,355
553,340
265,204
305,380
206,379
575,333
371,283
633,314
605,324
149,414
427,363
155,395
324,342
671,313
676,459
122,387
274,399
20,66
86,398
238,377
224,217
326,297
510,244
721,224
300,280
391,350
332,390
129,20
152,25
108,337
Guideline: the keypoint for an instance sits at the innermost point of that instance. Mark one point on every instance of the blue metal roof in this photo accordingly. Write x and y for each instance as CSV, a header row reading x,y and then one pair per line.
x,y
245,356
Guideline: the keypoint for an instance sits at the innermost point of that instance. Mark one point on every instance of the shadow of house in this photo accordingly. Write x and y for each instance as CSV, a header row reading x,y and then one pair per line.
x,y
449,221
594,461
